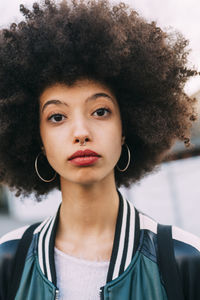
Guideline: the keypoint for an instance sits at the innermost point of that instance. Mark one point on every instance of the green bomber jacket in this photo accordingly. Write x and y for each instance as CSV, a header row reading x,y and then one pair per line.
x,y
133,272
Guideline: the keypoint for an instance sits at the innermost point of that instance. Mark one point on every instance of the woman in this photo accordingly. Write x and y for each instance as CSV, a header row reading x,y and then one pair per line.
x,y
91,99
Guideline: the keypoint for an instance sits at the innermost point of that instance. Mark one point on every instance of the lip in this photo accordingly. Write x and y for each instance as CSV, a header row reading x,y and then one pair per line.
x,y
84,153
84,157
84,160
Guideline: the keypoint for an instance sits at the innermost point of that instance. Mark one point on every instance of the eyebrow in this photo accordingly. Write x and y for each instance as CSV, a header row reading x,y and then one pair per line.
x,y
93,97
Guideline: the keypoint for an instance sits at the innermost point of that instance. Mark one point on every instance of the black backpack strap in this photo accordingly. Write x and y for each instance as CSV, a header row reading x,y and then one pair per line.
x,y
19,261
167,263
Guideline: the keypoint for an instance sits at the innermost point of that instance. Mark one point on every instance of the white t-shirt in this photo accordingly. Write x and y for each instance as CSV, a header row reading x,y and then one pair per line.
x,y
78,278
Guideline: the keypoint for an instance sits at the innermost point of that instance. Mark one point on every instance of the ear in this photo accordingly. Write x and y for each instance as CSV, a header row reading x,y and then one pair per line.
x,y
43,150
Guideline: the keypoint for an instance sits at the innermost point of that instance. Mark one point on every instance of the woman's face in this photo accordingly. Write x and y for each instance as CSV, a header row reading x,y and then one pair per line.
x,y
69,114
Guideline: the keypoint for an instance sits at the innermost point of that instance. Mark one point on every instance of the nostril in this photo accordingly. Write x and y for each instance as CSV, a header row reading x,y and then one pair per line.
x,y
79,140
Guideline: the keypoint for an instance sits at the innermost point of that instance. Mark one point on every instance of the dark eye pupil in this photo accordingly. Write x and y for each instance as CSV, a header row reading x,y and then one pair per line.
x,y
101,112
58,118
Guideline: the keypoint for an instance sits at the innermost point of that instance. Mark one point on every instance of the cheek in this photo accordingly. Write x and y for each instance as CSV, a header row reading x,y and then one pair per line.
x,y
45,136
52,141
55,151
113,141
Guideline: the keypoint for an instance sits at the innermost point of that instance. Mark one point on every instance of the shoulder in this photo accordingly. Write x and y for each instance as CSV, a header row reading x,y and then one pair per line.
x,y
186,239
186,244
9,242
13,235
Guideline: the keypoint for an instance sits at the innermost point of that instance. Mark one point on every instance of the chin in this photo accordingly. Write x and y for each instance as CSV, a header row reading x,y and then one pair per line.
x,y
87,182
87,177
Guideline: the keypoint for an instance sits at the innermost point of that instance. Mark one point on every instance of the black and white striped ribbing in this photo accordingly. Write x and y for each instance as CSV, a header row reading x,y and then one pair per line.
x,y
46,242
123,246
43,247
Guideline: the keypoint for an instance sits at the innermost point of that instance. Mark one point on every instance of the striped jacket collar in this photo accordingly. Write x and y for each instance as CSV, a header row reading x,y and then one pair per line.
x,y
125,243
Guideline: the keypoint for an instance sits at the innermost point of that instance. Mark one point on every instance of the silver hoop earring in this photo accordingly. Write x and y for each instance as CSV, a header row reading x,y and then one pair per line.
x,y
36,169
129,159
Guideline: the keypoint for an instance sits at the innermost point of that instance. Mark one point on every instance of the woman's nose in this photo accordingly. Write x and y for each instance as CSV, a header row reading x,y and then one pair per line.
x,y
81,132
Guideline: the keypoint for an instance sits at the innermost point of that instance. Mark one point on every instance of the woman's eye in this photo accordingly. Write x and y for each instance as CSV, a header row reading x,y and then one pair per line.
x,y
56,118
102,112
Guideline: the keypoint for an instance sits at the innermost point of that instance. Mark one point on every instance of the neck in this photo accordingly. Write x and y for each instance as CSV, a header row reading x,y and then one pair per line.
x,y
88,212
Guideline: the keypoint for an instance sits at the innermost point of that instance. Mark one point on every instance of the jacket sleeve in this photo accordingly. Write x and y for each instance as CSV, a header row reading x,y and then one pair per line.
x,y
8,248
187,254
7,253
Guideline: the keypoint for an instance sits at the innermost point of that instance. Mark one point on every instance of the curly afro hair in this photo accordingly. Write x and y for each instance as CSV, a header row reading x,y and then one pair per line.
x,y
62,42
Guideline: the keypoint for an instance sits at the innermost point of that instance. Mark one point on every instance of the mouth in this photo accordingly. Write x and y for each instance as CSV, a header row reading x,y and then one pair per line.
x,y
84,157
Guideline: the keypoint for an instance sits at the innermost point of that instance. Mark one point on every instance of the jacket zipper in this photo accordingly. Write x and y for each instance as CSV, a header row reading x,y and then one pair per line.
x,y
101,293
56,295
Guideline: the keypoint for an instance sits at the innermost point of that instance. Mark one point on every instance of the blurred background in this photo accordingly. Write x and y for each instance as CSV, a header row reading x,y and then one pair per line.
x,y
171,195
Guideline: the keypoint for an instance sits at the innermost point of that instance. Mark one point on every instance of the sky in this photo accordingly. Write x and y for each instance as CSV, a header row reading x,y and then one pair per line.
x,y
182,15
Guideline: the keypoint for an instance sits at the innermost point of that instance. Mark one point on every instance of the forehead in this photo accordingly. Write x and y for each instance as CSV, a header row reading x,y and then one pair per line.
x,y
81,90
